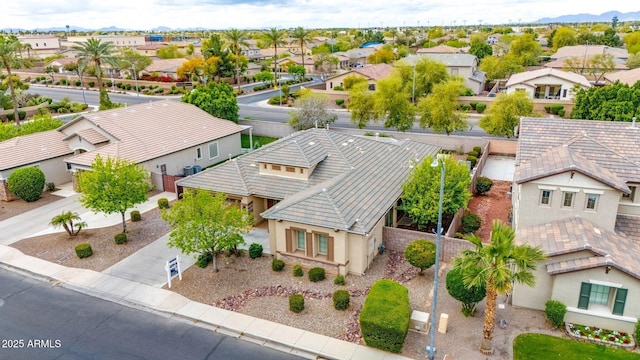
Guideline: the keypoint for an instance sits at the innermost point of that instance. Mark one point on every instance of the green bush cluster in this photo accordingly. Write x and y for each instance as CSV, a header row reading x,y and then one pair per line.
x,y
463,107
277,100
473,153
135,216
51,186
481,107
555,311
478,149
385,315
77,83
339,280
473,104
339,102
483,185
83,250
472,159
277,265
21,115
163,203
27,183
38,124
554,109
120,238
316,274
91,83
296,303
341,299
470,223
255,250
204,259
338,88
297,270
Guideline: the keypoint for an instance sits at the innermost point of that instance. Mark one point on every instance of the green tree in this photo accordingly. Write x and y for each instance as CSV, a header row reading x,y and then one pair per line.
x,y
275,38
98,53
632,41
303,37
497,265
428,72
610,38
113,186
564,36
526,49
438,110
361,104
10,48
214,47
264,76
26,183
70,221
468,296
205,223
500,67
504,114
237,40
615,102
599,65
311,111
51,70
421,254
421,192
139,61
351,80
170,52
215,98
382,56
391,102
298,71
481,50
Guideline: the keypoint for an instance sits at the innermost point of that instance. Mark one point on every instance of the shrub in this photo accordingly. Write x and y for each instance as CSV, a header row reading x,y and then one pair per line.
x,y
554,109
277,100
277,265
341,299
204,259
316,274
463,107
259,87
339,102
338,88
421,254
469,297
385,315
296,303
483,185
91,83
472,159
135,216
255,250
470,223
297,270
83,250
27,183
561,113
637,331
51,186
477,149
77,83
339,280
120,238
555,311
163,203
473,104
22,114
480,108
473,153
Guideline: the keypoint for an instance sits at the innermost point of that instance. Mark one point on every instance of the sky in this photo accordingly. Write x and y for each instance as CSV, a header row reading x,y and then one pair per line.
x,y
262,14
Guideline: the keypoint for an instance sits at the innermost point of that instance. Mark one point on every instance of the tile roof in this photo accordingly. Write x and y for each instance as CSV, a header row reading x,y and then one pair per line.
x,y
29,149
148,131
350,189
375,72
628,226
559,64
612,146
531,76
579,50
92,136
439,49
628,77
465,60
165,65
574,235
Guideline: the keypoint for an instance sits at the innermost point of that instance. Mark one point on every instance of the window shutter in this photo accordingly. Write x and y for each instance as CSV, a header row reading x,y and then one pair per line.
x,y
618,305
583,302
329,248
287,233
309,244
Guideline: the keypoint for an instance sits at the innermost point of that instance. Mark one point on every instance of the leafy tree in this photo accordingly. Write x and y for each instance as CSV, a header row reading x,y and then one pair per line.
x,y
351,80
139,61
264,76
205,223
438,110
428,72
197,68
275,38
214,47
10,48
504,114
170,52
237,40
500,67
215,98
526,49
113,186
326,63
563,36
311,111
70,221
51,70
361,104
632,41
468,296
421,254
38,124
611,39
616,102
94,51
497,265
26,183
298,71
480,50
421,192
391,103
303,37
382,56
599,65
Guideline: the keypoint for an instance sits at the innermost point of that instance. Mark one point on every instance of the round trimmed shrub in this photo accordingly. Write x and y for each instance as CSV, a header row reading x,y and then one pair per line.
x,y
316,274
120,238
477,149
483,185
473,153
421,254
27,183
163,203
277,265
469,297
470,223
555,311
339,280
255,250
472,159
135,216
296,303
204,259
297,270
480,108
341,299
83,250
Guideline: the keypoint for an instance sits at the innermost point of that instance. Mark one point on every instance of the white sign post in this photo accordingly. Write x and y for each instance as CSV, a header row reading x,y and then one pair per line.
x,y
173,269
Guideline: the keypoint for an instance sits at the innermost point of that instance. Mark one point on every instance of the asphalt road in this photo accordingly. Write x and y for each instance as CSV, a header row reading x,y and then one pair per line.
x,y
42,321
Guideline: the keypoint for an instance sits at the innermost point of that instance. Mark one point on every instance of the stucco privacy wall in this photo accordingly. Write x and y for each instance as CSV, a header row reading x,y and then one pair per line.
x,y
397,240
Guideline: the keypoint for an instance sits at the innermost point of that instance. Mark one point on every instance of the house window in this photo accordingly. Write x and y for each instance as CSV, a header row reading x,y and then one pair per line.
x,y
630,196
321,243
612,298
275,167
198,153
454,71
213,150
301,240
372,87
545,197
592,201
564,93
290,169
567,199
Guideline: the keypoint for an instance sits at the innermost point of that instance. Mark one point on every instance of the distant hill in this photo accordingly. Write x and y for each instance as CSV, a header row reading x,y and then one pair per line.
x,y
604,17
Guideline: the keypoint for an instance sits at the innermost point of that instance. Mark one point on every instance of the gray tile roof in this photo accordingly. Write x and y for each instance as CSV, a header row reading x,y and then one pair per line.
x,y
351,189
293,153
29,149
575,234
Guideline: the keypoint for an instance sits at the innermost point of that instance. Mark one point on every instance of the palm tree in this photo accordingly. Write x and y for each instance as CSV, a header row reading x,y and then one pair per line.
x,y
497,265
10,47
275,38
66,220
303,37
96,52
237,39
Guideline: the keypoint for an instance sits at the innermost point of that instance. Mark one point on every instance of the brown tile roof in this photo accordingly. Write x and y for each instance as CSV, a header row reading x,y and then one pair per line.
x,y
531,76
628,77
559,64
439,49
628,226
92,136
165,65
579,50
374,72
29,149
574,235
351,189
148,131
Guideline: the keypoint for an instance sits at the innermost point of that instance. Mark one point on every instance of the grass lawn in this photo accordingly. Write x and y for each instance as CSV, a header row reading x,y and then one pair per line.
x,y
257,139
539,346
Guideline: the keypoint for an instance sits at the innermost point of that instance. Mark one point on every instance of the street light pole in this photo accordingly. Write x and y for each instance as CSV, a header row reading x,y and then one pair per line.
x,y
135,78
413,87
431,349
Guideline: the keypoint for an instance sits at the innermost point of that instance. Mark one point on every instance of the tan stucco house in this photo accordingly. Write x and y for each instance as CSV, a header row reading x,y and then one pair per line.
x,y
547,83
463,65
325,195
371,73
574,195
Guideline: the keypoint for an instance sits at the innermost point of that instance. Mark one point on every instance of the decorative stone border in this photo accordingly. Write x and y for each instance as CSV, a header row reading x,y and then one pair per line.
x,y
628,346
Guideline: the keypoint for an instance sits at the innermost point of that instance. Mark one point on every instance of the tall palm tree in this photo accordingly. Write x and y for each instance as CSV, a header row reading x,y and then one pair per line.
x,y
94,51
10,48
275,38
303,37
497,265
237,39
66,220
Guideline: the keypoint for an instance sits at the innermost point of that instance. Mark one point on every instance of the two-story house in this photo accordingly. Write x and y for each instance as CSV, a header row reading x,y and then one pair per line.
x,y
463,65
574,195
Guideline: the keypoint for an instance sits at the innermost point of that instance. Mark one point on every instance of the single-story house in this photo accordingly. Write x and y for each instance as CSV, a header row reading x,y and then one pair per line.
x,y
629,77
439,49
371,73
164,67
619,55
326,195
547,83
